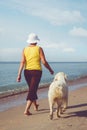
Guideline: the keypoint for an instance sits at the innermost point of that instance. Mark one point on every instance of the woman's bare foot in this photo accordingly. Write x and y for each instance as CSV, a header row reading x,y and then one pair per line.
x,y
27,113
36,107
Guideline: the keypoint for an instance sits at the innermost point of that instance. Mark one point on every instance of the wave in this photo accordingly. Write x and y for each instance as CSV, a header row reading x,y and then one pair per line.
x,y
24,89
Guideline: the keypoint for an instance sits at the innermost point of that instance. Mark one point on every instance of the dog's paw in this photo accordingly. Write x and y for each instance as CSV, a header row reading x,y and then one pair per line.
x,y
51,117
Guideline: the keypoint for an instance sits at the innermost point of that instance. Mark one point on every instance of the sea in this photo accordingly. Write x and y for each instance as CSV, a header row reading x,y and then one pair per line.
x,y
9,86
9,70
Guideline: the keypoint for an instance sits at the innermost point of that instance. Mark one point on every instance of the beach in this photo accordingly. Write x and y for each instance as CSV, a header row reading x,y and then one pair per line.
x,y
75,117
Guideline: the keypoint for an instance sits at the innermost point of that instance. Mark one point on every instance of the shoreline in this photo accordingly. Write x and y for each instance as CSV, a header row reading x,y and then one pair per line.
x,y
18,91
19,98
9,93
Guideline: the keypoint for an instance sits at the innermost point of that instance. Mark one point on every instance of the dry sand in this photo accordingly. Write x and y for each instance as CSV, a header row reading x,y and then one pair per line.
x,y
75,117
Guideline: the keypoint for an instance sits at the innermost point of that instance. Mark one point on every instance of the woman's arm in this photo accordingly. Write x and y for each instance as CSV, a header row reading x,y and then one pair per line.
x,y
21,67
45,63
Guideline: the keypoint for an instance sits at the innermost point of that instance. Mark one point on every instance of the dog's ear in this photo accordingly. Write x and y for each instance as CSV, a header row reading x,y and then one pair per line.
x,y
55,78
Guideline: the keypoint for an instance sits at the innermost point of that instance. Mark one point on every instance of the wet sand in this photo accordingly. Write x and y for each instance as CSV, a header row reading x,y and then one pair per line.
x,y
74,118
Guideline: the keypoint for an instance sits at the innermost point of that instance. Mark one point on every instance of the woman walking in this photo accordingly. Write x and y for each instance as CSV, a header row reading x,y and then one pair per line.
x,y
32,57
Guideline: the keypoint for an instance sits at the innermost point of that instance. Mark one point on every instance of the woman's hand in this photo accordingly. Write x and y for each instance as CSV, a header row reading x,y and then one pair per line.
x,y
19,78
52,72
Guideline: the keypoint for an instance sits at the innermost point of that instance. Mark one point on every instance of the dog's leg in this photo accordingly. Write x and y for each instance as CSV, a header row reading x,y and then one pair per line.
x,y
59,111
59,104
65,104
51,109
66,99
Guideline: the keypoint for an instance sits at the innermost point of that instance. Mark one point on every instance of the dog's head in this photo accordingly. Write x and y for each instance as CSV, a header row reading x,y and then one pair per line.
x,y
60,75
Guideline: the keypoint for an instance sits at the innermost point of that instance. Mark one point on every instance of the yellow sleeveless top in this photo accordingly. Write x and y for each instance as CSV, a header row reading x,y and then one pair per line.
x,y
32,57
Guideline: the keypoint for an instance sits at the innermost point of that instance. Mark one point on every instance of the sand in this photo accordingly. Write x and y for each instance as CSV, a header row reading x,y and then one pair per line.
x,y
75,117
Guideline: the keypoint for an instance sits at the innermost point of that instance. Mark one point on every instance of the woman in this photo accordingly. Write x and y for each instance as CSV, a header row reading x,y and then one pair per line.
x,y
32,57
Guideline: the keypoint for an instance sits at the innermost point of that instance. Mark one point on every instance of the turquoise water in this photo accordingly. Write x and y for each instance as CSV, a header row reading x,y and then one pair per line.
x,y
8,74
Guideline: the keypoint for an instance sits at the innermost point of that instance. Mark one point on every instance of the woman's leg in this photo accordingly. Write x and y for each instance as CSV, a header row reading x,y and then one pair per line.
x,y
33,79
33,87
28,105
36,76
35,105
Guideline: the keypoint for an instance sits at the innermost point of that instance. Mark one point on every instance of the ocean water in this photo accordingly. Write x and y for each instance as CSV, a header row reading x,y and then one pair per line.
x,y
8,74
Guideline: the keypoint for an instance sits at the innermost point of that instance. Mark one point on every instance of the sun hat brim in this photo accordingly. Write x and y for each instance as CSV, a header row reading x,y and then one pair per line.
x,y
32,41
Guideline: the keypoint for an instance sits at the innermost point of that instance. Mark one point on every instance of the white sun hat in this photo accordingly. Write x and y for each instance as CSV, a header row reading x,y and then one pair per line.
x,y
33,38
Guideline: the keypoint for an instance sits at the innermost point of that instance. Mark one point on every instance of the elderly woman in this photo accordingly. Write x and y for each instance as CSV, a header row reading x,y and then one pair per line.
x,y
32,57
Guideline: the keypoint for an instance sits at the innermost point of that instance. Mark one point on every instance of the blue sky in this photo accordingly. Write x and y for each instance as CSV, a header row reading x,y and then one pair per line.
x,y
61,26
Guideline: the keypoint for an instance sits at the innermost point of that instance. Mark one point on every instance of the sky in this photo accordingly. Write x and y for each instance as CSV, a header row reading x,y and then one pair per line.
x,y
61,26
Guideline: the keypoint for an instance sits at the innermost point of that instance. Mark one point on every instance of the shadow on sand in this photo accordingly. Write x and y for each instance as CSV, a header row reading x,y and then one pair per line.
x,y
78,113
